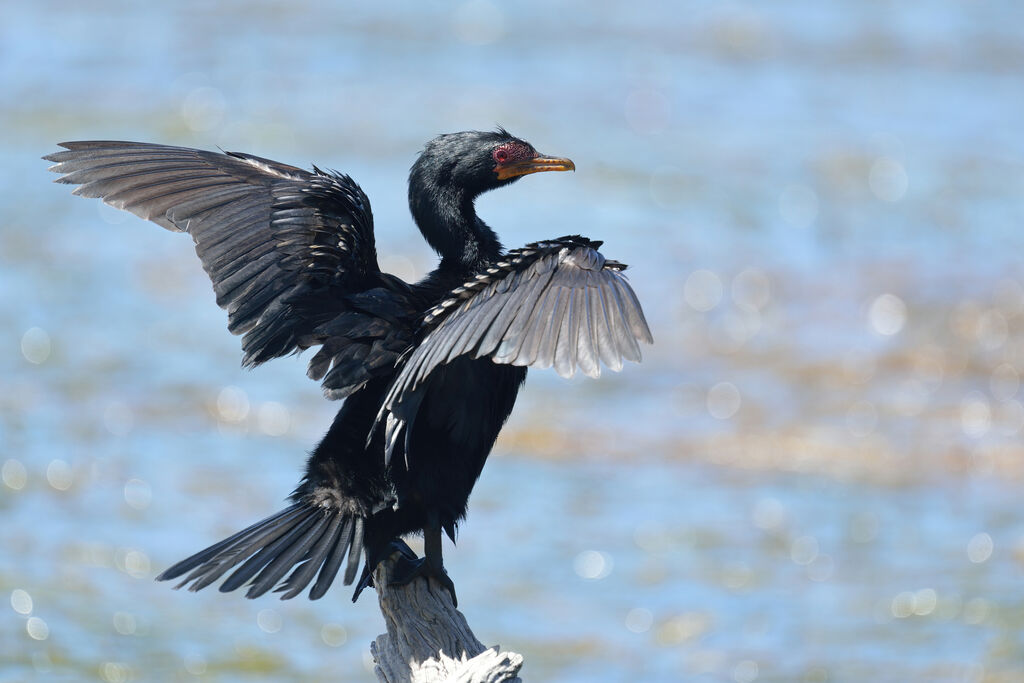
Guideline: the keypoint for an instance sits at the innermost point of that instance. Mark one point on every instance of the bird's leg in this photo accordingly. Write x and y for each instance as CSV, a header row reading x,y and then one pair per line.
x,y
432,544
430,565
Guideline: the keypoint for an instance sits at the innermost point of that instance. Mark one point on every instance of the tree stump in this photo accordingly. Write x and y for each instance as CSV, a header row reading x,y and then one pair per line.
x,y
428,640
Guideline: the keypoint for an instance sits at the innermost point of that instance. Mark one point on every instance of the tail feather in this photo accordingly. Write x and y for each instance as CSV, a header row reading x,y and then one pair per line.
x,y
267,553
300,539
333,561
353,560
307,569
219,549
297,544
245,544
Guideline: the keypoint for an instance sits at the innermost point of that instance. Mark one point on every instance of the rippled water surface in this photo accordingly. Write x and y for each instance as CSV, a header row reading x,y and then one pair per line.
x,y
815,474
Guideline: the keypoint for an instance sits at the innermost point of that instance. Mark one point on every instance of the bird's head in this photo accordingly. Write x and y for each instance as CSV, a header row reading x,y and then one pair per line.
x,y
475,161
447,177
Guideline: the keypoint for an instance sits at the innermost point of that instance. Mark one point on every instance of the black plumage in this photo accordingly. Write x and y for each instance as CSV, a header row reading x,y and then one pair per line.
x,y
430,371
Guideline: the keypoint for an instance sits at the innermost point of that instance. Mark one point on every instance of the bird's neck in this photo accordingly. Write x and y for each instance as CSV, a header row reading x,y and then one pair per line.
x,y
449,223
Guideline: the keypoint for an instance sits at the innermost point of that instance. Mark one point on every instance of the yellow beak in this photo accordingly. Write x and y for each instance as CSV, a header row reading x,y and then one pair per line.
x,y
534,165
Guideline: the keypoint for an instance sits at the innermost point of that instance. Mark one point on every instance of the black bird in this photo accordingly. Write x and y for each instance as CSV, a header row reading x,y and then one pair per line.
x,y
429,371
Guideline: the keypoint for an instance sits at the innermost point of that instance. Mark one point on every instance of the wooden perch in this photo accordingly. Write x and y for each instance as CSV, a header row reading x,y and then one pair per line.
x,y
428,640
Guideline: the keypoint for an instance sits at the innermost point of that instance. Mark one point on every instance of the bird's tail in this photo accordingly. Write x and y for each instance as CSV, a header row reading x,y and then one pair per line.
x,y
285,550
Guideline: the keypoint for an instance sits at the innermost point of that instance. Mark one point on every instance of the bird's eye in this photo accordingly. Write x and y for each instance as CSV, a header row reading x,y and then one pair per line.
x,y
500,155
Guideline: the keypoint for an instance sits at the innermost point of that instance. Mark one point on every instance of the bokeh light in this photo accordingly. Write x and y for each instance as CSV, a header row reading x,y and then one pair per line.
x,y
269,621
769,514
118,418
232,404
703,290
724,400
639,620
37,628
745,671
14,474
124,623
888,179
888,314
195,664
21,601
979,548
593,564
1004,382
274,418
975,415
751,290
138,494
60,475
115,672
35,345
334,635
804,549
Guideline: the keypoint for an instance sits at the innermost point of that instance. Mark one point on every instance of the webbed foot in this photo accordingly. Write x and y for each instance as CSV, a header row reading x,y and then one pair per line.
x,y
396,545
406,569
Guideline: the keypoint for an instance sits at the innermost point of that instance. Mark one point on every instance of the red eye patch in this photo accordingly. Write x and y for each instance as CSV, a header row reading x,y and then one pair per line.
x,y
512,151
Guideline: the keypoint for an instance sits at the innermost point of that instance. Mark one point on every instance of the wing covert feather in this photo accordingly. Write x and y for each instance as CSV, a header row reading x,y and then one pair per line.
x,y
558,303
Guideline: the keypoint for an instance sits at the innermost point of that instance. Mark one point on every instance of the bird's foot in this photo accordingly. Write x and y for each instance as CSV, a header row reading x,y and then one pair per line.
x,y
406,569
396,545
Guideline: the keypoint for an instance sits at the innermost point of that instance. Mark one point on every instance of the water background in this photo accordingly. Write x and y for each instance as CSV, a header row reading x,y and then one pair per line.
x,y
815,474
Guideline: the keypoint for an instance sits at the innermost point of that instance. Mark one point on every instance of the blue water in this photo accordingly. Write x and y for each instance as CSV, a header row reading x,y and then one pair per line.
x,y
812,477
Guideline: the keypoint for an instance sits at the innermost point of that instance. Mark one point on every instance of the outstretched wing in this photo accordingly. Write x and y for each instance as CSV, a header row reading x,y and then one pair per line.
x,y
283,246
557,303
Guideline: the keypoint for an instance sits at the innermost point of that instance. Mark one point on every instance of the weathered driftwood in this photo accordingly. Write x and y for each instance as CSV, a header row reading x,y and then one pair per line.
x,y
428,640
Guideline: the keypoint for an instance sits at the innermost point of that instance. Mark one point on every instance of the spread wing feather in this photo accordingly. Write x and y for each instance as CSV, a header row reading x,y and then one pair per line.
x,y
283,246
558,303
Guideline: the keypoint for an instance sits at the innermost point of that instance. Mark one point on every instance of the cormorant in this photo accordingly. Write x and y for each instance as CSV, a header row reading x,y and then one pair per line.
x,y
429,371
